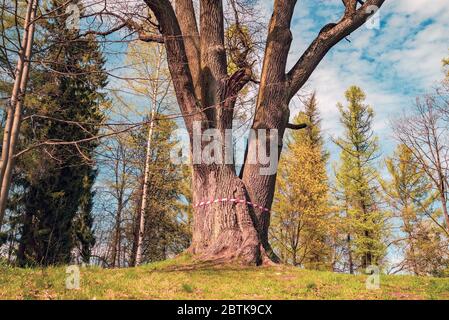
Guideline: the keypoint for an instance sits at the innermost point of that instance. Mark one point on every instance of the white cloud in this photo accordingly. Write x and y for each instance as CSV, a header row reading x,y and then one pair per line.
x,y
392,65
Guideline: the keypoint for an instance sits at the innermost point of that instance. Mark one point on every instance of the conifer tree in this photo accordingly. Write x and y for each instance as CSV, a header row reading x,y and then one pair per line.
x,y
300,215
357,180
53,207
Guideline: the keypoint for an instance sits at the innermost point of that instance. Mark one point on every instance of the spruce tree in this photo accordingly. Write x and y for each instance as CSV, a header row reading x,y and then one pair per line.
x,y
357,180
54,202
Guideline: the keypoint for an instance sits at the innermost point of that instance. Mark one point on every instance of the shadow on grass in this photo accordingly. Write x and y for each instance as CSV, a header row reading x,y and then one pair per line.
x,y
208,265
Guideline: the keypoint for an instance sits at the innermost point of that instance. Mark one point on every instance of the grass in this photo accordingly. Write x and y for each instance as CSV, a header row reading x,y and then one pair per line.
x,y
182,278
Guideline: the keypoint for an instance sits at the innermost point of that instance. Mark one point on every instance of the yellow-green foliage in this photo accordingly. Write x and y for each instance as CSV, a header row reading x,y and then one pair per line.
x,y
421,240
183,279
357,181
300,220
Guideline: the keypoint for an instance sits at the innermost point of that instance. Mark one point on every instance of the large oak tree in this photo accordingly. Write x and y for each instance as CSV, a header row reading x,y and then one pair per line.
x,y
207,93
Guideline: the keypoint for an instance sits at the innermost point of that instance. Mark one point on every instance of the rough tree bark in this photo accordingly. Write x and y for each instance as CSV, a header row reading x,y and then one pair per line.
x,y
206,93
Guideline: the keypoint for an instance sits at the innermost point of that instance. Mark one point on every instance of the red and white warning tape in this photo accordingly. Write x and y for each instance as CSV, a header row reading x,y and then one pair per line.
x,y
237,201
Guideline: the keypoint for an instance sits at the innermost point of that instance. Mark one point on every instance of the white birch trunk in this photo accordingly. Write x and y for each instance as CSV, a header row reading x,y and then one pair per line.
x,y
154,102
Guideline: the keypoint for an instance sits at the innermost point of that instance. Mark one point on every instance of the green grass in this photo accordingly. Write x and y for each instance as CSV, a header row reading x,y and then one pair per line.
x,y
183,278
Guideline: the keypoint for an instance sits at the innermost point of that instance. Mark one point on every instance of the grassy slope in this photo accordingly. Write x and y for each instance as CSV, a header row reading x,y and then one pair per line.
x,y
181,279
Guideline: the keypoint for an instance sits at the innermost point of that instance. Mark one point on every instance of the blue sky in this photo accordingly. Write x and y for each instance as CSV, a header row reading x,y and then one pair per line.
x,y
394,64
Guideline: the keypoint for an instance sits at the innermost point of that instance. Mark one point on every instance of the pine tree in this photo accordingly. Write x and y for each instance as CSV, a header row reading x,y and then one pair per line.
x,y
300,223
54,182
357,180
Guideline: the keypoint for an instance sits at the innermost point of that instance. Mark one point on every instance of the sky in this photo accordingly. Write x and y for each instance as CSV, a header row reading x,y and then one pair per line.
x,y
393,64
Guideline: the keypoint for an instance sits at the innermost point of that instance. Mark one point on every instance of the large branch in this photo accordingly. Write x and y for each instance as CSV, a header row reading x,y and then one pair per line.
x,y
177,58
185,13
278,44
330,35
271,100
213,53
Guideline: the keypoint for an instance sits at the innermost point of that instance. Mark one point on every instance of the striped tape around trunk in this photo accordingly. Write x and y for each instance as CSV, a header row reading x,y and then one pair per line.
x,y
236,201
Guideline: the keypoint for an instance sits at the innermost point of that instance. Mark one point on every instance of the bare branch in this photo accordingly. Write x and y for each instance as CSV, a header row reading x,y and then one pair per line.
x,y
296,126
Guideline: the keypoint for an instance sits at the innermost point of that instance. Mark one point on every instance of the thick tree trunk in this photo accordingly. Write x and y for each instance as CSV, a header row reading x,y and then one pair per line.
x,y
224,230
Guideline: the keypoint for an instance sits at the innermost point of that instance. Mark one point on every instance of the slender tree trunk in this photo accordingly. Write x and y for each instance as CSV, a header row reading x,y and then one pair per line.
x,y
15,93
115,255
445,210
144,203
14,113
350,259
146,176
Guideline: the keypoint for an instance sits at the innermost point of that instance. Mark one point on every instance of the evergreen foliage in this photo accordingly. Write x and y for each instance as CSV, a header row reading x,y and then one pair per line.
x,y
356,180
53,203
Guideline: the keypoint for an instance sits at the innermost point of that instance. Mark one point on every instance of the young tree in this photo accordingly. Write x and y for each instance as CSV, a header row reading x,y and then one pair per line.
x,y
148,220
206,94
15,105
117,191
166,230
301,218
425,133
409,195
357,180
154,84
